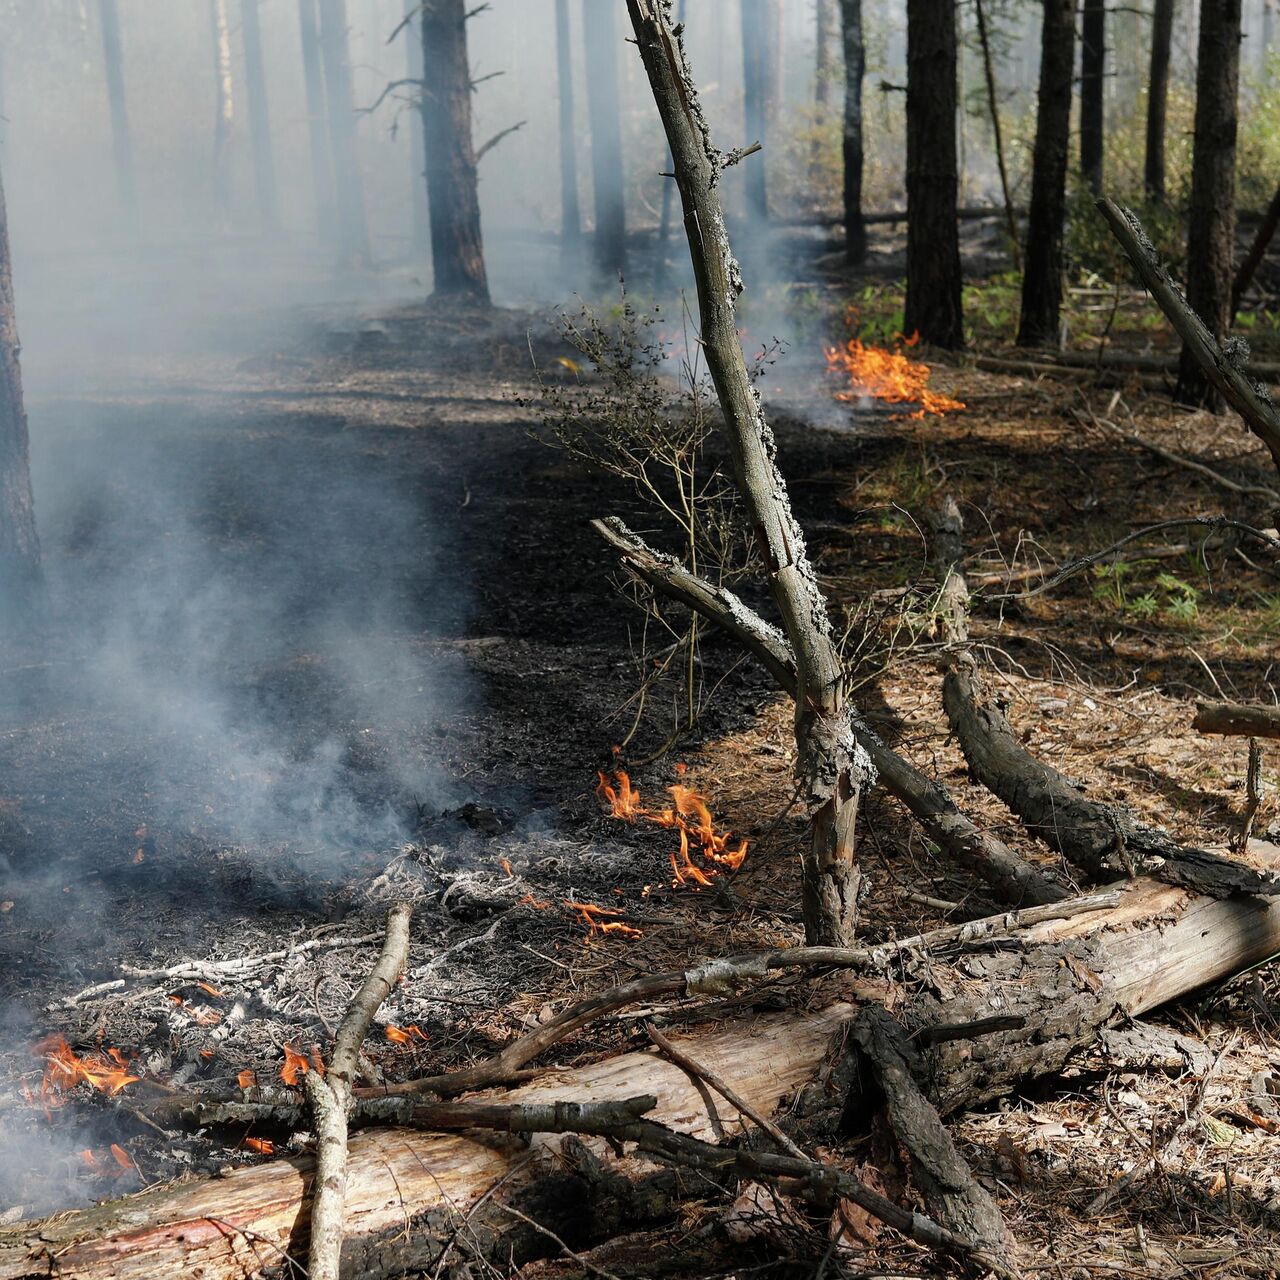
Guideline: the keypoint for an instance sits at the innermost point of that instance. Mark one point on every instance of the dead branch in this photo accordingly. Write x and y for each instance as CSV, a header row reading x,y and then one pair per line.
x,y
330,1099
1257,251
1009,876
1237,719
484,149
1222,365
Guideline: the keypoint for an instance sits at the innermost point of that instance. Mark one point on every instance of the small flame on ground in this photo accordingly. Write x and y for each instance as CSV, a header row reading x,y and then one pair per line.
x,y
296,1065
602,920
247,1078
887,375
690,814
259,1146
121,1157
108,1072
404,1035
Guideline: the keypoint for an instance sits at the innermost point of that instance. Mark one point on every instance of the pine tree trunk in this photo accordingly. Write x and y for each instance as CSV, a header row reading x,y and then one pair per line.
x,y
755,103
1158,98
933,307
824,61
1042,276
855,61
421,228
600,36
19,548
1093,69
1211,229
317,121
121,138
335,54
255,78
997,132
570,211
457,248
224,111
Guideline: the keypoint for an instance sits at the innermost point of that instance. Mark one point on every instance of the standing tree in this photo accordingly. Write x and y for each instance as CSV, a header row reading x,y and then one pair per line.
x,y
570,211
317,113
1093,70
255,78
1212,225
224,111
457,249
997,132
335,54
19,548
1042,275
421,229
824,61
1158,98
600,35
933,307
121,139
755,100
855,62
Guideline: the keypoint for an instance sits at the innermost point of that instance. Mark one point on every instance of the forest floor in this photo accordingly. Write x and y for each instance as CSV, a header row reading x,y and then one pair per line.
x,y
448,724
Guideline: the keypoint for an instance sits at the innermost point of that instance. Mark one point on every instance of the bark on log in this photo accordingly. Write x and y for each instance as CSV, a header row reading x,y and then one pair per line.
x,y
1237,719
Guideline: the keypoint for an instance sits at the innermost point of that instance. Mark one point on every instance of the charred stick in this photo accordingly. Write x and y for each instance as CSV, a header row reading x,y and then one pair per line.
x,y
330,1099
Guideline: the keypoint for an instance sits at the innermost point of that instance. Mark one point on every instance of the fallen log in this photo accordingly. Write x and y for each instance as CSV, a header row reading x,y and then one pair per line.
x,y
406,1189
1237,719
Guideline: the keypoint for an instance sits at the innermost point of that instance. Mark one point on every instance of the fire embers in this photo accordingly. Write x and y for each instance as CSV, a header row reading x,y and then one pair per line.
x,y
704,852
889,376
107,1070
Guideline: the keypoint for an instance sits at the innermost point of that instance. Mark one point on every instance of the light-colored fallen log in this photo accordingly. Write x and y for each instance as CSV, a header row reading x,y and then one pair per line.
x,y
1237,719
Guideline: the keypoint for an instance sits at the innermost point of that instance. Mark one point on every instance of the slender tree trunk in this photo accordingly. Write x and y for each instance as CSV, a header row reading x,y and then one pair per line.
x,y
831,767
600,35
997,132
755,102
1158,98
1212,224
19,548
855,61
1093,70
317,122
570,210
824,62
668,199
224,111
121,138
1257,251
335,55
457,249
933,306
264,163
1042,277
421,229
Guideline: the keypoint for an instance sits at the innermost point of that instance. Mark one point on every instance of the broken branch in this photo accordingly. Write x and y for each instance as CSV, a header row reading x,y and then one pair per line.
x,y
1237,719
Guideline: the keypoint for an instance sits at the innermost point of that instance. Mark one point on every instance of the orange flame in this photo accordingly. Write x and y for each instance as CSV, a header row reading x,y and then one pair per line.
x,y
64,1069
603,920
247,1078
260,1146
690,815
887,375
122,1157
296,1065
404,1035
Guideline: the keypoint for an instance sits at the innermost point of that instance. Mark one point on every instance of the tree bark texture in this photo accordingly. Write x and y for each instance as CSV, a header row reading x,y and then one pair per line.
x,y
121,138
335,54
255,80
419,210
755,102
600,36
318,121
453,190
19,547
1093,70
1042,271
1158,99
855,61
831,766
1212,223
1237,719
933,304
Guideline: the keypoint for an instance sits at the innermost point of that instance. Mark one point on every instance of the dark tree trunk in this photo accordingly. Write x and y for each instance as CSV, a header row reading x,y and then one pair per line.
x,y
570,211
855,62
19,549
933,307
1093,70
121,139
255,80
997,133
1212,225
824,62
600,35
317,117
421,229
755,102
457,249
224,111
1042,277
335,54
1158,98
